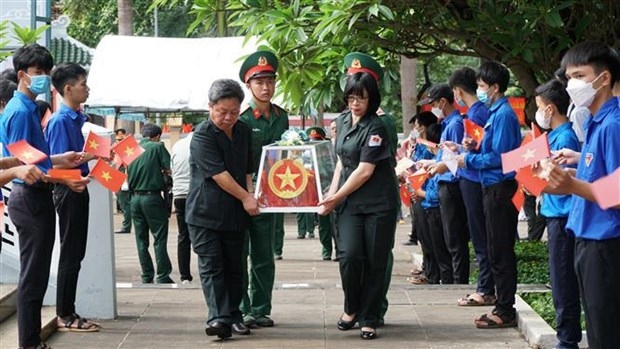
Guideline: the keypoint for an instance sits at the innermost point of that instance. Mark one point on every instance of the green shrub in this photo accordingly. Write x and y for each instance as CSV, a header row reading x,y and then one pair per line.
x,y
542,303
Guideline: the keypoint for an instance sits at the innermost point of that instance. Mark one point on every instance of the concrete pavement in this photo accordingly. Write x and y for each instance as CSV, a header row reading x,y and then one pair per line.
x,y
307,302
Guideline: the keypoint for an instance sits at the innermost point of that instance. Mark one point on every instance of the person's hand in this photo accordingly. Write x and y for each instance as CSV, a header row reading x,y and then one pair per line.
x,y
438,168
250,205
70,159
469,143
28,173
327,205
566,156
460,160
451,145
77,185
559,178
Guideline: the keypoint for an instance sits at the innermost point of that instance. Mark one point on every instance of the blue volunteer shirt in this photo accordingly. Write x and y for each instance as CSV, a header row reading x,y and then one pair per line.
x,y
421,152
21,121
501,135
431,199
600,156
558,206
451,130
64,133
479,114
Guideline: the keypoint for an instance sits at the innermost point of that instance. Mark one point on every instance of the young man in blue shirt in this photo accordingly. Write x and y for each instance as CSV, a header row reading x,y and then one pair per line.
x,y
592,69
64,133
441,98
463,84
501,134
552,102
31,208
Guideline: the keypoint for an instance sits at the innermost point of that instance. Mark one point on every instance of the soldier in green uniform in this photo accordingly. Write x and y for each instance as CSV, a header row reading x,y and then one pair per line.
x,y
390,127
148,209
267,122
364,193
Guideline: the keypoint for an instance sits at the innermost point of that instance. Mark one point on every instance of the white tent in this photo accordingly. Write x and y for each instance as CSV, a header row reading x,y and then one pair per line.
x,y
162,73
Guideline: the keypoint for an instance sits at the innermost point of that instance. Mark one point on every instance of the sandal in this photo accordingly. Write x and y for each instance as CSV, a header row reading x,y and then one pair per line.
x,y
493,320
75,323
418,280
476,299
416,272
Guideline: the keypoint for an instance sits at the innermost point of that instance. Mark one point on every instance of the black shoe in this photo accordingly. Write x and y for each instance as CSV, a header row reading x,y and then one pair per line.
x,y
240,328
327,258
368,334
219,329
346,325
121,231
410,243
166,281
301,236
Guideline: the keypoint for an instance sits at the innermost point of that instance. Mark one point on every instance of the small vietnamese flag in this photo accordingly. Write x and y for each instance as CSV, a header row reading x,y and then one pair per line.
x,y
426,143
26,153
474,131
57,173
98,145
405,197
526,155
108,176
606,190
518,199
530,181
128,149
535,131
418,178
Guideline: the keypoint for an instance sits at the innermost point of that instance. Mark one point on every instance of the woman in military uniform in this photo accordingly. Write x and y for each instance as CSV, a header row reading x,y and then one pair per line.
x,y
365,196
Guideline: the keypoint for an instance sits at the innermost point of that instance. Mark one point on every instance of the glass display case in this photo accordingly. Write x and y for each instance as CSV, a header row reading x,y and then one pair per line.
x,y
294,178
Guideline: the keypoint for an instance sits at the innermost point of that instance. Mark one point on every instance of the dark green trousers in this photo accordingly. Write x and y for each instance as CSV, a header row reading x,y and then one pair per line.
x,y
258,246
124,201
365,243
326,233
305,223
278,240
149,213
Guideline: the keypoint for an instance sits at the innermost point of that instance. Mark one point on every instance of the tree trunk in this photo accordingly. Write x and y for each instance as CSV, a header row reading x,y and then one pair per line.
x,y
408,90
125,27
222,26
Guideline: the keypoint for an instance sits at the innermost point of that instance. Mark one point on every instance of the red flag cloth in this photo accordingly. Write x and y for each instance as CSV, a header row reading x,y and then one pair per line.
x,y
108,176
46,118
474,131
98,145
405,197
526,155
117,161
530,181
426,143
518,199
26,153
57,173
287,184
418,178
535,131
128,149
606,190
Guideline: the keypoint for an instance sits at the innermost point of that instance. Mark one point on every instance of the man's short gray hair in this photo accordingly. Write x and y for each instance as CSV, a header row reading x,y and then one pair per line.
x,y
225,88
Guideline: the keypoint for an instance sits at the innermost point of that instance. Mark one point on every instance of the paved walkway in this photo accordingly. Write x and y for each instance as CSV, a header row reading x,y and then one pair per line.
x,y
307,303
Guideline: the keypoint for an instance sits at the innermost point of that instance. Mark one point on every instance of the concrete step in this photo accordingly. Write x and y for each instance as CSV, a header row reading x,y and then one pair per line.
x,y
8,300
8,327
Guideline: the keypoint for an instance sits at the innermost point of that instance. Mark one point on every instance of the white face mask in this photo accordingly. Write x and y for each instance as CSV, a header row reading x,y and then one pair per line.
x,y
414,134
581,93
542,120
438,112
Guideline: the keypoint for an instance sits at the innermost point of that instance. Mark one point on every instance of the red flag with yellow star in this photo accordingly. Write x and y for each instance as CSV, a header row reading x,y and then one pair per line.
x,y
474,131
128,149
417,179
108,176
98,145
26,153
288,184
526,155
58,173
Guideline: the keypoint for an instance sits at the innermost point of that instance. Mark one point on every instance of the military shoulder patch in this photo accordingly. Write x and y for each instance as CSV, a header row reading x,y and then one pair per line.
x,y
375,141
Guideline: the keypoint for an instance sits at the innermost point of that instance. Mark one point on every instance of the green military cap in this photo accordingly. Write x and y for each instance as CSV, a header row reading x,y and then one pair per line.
x,y
361,62
258,64
316,133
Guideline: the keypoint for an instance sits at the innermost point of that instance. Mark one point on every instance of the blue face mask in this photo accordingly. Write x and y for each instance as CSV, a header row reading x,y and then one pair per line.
x,y
483,96
461,103
39,84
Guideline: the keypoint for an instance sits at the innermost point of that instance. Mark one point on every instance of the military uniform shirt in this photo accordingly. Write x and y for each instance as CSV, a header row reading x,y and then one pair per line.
x,y
366,141
264,132
145,172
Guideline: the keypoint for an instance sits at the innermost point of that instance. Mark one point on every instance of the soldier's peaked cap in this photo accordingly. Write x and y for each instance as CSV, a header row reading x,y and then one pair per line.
x,y
258,64
361,62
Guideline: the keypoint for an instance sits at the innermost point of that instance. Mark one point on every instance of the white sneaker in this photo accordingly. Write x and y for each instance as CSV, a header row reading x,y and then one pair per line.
x,y
186,282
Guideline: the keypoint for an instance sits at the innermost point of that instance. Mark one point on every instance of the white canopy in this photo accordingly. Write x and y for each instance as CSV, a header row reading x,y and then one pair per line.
x,y
162,73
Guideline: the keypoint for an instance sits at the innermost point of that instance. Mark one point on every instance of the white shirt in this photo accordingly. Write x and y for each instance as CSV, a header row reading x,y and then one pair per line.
x,y
179,161
578,117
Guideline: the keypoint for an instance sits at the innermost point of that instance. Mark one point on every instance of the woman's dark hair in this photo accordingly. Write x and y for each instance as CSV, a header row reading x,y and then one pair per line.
x,y
433,133
355,86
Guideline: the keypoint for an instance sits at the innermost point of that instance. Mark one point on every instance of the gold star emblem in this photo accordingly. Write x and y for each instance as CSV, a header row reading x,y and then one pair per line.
x,y
477,133
129,151
356,63
287,178
529,154
28,155
106,175
93,144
